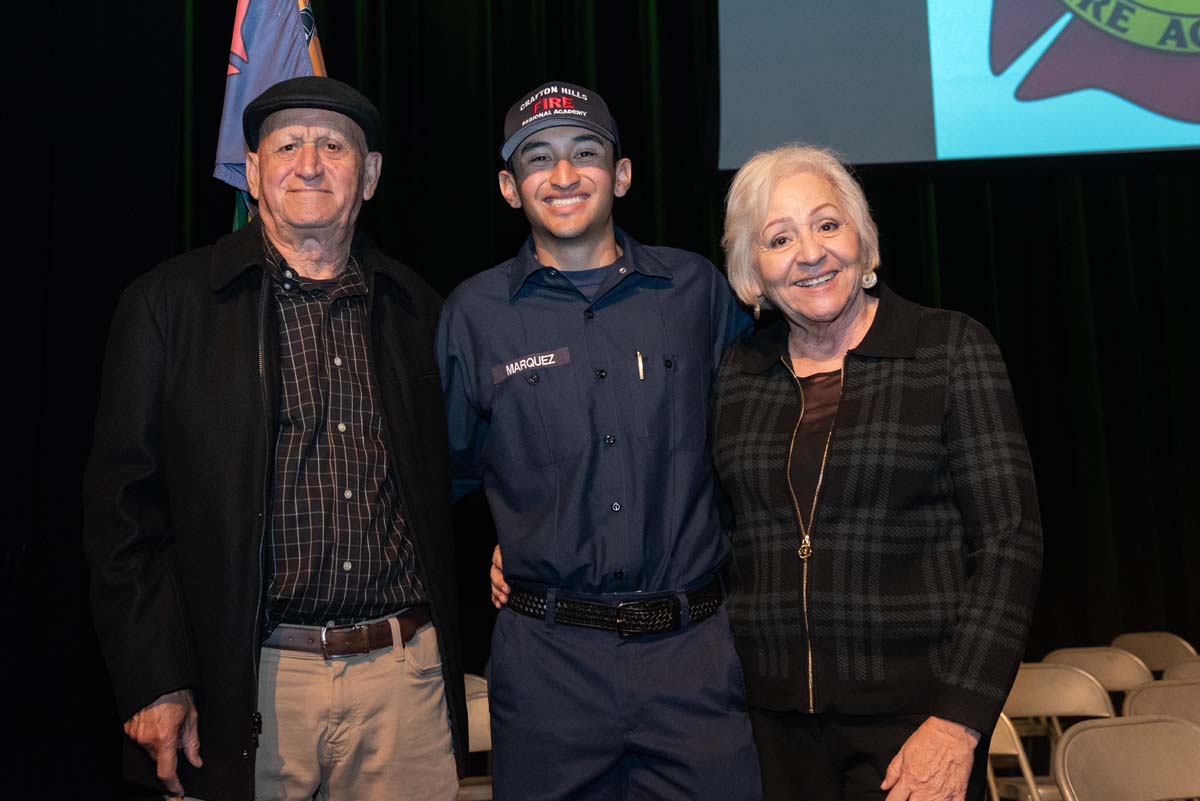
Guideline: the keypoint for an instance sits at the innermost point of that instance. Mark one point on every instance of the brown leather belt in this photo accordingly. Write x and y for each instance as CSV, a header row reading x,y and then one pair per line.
x,y
357,638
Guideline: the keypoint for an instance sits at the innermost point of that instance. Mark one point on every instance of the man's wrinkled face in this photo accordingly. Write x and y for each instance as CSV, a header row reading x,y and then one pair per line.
x,y
312,171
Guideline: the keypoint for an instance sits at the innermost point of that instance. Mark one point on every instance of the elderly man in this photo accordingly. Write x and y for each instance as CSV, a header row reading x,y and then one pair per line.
x,y
577,378
267,501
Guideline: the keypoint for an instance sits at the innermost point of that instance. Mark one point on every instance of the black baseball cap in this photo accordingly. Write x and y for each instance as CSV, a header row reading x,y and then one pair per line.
x,y
553,104
312,91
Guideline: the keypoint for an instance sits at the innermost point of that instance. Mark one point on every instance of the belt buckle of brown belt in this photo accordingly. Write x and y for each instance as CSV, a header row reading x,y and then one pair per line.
x,y
360,628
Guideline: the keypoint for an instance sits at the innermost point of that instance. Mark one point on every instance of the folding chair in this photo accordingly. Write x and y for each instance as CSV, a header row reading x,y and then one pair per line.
x,y
1187,669
1158,649
1129,759
1006,743
1117,670
1053,690
1177,698
1049,690
479,738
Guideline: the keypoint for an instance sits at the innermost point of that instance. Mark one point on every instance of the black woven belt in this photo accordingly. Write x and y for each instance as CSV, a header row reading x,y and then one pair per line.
x,y
627,618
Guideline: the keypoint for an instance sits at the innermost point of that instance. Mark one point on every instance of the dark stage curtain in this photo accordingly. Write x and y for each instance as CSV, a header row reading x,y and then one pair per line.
x,y
1084,269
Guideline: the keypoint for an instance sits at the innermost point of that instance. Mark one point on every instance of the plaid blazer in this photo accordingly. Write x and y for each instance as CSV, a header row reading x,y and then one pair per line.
x,y
926,548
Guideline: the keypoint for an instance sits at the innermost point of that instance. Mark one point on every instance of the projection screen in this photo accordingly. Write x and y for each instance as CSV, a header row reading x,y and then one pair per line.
x,y
958,79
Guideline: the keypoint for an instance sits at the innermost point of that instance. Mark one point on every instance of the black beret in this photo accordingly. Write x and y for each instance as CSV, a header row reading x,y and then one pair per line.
x,y
312,91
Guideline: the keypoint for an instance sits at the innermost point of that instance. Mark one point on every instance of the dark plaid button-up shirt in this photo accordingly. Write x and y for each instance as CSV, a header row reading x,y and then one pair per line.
x,y
338,547
926,547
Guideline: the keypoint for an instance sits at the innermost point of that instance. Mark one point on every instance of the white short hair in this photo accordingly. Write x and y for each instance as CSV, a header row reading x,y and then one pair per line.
x,y
750,195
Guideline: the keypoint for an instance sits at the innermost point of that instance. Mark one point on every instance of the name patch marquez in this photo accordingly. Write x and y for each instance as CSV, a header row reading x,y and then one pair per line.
x,y
552,358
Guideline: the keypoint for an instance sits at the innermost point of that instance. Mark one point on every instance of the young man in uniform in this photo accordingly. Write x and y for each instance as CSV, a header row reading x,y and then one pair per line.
x,y
577,379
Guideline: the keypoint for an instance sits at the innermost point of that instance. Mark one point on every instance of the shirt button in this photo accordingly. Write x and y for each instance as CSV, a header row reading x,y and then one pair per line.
x,y
532,378
287,285
601,373
609,439
622,270
589,314
668,363
346,565
616,507
337,361
342,427
287,273
347,494
618,574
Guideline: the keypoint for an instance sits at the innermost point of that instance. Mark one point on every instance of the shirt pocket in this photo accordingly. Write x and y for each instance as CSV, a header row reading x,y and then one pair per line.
x,y
538,417
672,401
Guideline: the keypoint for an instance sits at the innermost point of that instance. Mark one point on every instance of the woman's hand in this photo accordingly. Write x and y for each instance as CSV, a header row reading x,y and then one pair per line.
x,y
933,764
499,588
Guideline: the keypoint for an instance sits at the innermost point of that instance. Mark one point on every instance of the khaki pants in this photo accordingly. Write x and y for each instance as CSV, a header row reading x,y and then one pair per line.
x,y
356,728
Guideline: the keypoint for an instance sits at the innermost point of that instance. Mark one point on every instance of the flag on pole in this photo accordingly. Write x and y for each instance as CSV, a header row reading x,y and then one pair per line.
x,y
273,40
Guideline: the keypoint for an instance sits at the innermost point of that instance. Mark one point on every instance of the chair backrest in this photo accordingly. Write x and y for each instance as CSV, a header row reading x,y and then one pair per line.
x,y
1158,649
479,718
1187,669
1129,759
1178,698
1044,689
1005,742
1117,670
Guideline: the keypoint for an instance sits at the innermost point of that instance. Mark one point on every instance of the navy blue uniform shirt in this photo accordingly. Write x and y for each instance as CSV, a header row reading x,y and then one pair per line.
x,y
586,420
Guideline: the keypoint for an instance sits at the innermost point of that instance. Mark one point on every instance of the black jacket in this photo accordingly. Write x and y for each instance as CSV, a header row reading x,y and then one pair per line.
x,y
178,485
926,549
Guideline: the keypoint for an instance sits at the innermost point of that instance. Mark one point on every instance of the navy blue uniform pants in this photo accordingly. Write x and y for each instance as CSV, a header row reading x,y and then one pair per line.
x,y
582,714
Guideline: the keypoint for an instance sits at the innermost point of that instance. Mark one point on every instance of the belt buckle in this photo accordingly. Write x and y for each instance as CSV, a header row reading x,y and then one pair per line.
x,y
671,603
325,645
619,620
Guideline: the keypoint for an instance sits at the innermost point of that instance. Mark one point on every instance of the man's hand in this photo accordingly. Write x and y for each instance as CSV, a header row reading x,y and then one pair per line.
x,y
933,764
164,727
500,590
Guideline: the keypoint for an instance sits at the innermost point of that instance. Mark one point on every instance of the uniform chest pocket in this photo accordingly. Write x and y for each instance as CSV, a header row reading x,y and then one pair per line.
x,y
538,417
672,401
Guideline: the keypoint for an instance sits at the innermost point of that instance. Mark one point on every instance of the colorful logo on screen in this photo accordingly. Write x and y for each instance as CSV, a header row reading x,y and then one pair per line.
x,y
1162,24
1145,51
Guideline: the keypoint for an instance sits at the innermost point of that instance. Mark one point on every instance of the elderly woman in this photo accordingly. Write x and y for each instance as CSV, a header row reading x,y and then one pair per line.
x,y
887,546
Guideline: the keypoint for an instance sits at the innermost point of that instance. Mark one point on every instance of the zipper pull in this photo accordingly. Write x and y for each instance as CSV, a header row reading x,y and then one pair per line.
x,y
805,549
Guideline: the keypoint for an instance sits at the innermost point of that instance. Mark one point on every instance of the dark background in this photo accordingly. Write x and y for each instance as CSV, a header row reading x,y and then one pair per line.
x,y
1084,268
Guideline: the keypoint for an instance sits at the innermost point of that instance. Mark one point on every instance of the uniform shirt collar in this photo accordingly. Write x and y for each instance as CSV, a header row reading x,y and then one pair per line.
x,y
634,257
893,334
